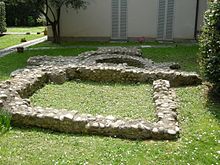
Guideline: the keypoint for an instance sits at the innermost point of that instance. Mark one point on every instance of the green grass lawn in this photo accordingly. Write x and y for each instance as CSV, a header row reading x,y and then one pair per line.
x,y
186,56
12,39
123,100
26,29
93,43
199,119
16,60
96,44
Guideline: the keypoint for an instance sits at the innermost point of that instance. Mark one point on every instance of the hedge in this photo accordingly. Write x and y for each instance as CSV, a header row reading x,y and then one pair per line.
x,y
2,17
210,45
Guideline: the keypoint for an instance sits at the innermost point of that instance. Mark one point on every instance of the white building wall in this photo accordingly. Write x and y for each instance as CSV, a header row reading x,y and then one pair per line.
x,y
184,19
142,18
95,20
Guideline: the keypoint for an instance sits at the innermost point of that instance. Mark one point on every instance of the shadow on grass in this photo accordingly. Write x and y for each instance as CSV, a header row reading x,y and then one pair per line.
x,y
213,100
79,135
213,106
57,133
108,83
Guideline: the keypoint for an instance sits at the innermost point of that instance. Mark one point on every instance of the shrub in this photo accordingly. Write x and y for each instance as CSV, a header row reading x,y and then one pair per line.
x,y
2,17
5,121
210,45
30,21
23,40
45,31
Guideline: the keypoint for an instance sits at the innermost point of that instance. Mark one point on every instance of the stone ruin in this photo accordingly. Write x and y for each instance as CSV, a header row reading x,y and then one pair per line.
x,y
125,65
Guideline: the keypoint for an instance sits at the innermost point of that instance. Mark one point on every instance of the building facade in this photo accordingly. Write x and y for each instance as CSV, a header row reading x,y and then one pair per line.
x,y
105,20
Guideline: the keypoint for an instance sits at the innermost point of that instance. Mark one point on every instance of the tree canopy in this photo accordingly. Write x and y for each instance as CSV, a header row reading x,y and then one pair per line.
x,y
20,13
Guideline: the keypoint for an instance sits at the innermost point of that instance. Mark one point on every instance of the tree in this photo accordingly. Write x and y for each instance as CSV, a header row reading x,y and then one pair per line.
x,y
20,13
210,45
2,18
51,9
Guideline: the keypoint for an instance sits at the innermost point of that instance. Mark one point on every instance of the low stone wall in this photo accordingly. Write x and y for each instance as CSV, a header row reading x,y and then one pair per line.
x,y
166,106
14,94
107,57
114,65
123,74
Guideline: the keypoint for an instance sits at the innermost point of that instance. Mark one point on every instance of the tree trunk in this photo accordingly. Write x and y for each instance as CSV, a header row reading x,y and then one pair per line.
x,y
58,23
55,33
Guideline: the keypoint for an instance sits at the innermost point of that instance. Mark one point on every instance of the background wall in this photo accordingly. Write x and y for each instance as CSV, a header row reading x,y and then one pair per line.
x,y
95,21
142,18
202,8
184,19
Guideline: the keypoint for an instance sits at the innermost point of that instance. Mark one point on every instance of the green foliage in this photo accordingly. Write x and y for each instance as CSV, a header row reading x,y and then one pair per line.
x,y
5,121
210,45
30,21
42,20
21,13
2,17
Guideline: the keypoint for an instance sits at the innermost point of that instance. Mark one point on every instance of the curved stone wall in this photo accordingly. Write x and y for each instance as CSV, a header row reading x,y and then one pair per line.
x,y
106,65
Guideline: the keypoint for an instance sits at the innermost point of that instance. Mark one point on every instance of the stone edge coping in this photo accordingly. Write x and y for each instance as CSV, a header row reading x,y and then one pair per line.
x,y
72,122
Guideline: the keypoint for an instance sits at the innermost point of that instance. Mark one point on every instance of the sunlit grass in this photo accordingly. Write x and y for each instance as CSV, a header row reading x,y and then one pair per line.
x,y
198,143
26,29
15,60
186,56
120,100
12,39
107,43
